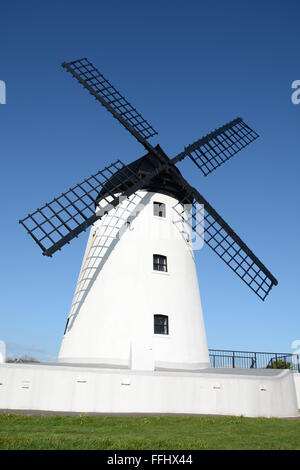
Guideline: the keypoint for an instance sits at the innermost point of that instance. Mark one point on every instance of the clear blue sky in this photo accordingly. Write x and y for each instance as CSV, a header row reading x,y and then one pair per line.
x,y
188,66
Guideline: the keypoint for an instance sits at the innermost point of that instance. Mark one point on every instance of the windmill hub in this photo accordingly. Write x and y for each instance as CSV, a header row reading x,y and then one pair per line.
x,y
165,182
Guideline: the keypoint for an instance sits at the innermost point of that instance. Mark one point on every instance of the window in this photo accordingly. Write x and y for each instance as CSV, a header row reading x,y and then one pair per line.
x,y
66,327
161,325
160,263
159,209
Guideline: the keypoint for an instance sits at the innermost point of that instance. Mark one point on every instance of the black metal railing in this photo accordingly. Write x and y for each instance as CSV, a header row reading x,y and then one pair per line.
x,y
254,360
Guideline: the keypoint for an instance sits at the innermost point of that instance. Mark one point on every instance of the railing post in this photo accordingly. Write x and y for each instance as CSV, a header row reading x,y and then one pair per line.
x,y
233,364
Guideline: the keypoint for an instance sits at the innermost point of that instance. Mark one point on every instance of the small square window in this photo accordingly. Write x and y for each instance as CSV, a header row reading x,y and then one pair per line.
x,y
161,325
160,263
159,209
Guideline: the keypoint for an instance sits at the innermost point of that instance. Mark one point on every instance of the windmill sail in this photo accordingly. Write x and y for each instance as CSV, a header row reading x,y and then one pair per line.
x,y
90,77
222,239
214,149
66,216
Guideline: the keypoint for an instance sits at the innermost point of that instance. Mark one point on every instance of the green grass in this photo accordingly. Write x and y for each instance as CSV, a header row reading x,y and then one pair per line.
x,y
155,432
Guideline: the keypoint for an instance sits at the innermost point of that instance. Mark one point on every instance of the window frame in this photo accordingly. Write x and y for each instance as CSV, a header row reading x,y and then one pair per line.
x,y
163,322
159,264
164,211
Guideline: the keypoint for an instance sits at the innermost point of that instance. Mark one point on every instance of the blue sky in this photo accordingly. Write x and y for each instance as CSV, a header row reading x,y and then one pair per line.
x,y
188,67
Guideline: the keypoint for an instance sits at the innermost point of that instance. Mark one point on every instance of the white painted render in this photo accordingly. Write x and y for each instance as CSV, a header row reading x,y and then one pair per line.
x,y
111,321
297,385
247,392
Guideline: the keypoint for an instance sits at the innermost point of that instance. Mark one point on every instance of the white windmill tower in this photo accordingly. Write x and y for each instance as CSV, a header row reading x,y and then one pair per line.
x,y
143,251
135,337
137,302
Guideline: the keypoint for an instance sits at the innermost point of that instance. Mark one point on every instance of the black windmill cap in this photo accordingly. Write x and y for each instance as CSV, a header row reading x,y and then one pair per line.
x,y
164,183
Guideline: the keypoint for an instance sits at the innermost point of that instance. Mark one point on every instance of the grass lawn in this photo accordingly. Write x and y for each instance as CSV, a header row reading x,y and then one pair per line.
x,y
155,432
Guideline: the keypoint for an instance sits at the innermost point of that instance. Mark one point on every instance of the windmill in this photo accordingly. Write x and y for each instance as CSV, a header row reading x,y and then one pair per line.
x,y
129,328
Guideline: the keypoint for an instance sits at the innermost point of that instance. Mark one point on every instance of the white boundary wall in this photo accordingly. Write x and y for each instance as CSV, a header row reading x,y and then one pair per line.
x,y
297,385
76,388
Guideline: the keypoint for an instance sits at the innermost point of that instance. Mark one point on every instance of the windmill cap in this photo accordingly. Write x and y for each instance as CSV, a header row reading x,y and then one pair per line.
x,y
164,183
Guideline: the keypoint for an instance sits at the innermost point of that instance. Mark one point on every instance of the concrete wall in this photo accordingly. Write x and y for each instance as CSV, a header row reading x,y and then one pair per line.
x,y
111,321
236,392
297,385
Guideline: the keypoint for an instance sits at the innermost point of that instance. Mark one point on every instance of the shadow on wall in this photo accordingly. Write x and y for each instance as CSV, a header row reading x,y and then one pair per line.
x,y
104,240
